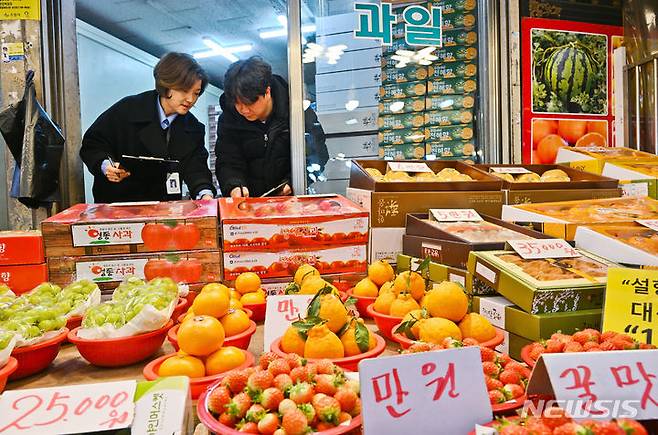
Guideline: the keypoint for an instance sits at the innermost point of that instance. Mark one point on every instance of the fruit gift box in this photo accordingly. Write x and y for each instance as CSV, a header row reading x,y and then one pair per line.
x,y
104,229
450,243
592,159
634,246
267,224
21,247
435,272
636,178
542,285
560,219
188,267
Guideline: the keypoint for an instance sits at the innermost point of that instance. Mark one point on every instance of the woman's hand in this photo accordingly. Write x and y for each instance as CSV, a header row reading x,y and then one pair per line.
x,y
240,192
286,190
115,174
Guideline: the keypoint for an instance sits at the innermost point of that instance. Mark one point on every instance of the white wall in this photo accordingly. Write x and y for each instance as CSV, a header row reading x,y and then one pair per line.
x,y
110,69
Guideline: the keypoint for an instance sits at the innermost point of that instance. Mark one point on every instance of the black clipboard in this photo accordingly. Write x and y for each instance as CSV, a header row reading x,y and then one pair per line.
x,y
137,163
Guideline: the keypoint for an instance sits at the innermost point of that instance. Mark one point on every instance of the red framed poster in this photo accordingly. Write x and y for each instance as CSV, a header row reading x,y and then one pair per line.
x,y
566,85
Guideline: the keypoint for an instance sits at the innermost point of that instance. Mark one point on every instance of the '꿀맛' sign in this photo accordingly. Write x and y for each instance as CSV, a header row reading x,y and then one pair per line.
x,y
631,303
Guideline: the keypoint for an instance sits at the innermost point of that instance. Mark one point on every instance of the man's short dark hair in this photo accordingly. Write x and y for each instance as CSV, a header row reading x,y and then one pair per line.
x,y
246,80
178,71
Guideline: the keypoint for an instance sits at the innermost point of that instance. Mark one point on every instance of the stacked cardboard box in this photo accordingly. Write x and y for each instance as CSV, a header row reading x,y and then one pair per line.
x,y
22,262
107,243
272,237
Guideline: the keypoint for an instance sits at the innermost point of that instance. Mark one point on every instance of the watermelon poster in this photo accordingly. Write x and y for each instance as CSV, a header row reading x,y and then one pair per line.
x,y
567,86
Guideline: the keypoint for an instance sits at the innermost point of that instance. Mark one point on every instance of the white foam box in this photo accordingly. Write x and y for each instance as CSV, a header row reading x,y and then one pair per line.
x,y
347,38
337,81
385,244
613,249
352,146
354,121
330,186
163,407
335,101
351,60
339,23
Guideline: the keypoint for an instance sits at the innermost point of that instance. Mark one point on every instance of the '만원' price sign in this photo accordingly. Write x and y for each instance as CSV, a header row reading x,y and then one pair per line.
x,y
408,392
68,409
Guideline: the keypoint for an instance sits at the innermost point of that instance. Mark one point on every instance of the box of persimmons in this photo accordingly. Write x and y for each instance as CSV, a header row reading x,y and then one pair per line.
x,y
593,159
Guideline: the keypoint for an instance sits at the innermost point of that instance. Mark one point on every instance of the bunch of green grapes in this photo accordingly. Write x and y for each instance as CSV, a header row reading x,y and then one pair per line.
x,y
33,322
5,338
127,289
73,295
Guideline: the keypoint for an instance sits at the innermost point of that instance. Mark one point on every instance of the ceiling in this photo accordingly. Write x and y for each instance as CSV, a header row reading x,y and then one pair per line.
x,y
160,26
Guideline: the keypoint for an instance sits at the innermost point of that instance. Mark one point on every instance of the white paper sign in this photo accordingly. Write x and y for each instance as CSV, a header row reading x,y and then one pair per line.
x,y
635,189
493,308
543,248
410,391
280,312
453,277
485,272
506,170
649,223
409,167
109,271
107,234
68,409
621,381
454,215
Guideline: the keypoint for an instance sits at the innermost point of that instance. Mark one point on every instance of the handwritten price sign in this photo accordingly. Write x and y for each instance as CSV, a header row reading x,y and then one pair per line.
x,y
547,248
68,410
280,312
510,170
601,383
409,391
409,167
455,215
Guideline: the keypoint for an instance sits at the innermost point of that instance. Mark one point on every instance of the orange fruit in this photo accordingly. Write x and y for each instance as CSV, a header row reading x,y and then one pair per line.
x,y
200,336
349,339
333,311
446,300
211,303
292,341
182,365
216,286
542,128
234,304
234,294
312,284
254,298
476,326
366,287
571,130
548,147
188,315
225,359
410,282
435,329
247,282
304,271
380,272
600,127
383,302
235,322
323,343
592,140
403,304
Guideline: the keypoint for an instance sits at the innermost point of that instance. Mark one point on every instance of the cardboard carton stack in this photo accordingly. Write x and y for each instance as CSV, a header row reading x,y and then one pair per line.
x,y
108,242
22,262
272,237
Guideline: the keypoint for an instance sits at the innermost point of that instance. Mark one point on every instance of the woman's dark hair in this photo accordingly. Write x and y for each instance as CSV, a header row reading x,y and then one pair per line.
x,y
246,80
178,71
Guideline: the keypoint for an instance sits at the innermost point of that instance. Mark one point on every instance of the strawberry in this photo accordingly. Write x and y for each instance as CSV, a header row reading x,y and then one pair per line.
x,y
354,385
326,407
573,347
235,381
513,391
227,419
536,351
537,427
607,428
259,381
516,367
309,412
562,338
554,417
495,397
278,366
283,382
586,336
568,429
312,370
625,337
325,367
346,397
509,377
420,347
590,345
594,349
301,393
622,343
299,374
255,413
470,342
503,359
239,405
294,360
607,335
513,430
323,425
608,345
294,422
554,346
357,408
325,384
631,427
266,358
268,424
647,346
271,398
279,431
249,427
492,384
218,399
285,405
490,368
487,354
343,417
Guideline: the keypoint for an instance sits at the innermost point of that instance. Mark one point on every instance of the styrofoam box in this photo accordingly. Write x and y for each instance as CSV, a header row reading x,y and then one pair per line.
x,y
353,146
335,101
385,244
348,39
350,60
365,78
340,23
349,122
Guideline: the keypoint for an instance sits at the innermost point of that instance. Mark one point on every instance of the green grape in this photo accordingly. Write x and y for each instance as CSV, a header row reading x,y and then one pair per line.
x,y
31,331
5,338
47,325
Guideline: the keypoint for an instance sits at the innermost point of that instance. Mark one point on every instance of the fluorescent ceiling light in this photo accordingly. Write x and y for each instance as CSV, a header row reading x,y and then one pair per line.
x,y
283,31
351,105
218,50
283,20
351,121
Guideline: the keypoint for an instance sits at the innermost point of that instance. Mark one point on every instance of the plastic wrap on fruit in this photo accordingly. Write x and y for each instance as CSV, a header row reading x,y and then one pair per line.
x,y
7,343
136,308
79,297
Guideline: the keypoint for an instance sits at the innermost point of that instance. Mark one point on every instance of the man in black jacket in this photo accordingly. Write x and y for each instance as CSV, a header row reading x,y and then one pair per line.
x,y
253,135
155,123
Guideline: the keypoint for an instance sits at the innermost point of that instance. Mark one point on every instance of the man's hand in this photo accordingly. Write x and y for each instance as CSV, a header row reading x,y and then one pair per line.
x,y
115,174
240,192
206,197
286,190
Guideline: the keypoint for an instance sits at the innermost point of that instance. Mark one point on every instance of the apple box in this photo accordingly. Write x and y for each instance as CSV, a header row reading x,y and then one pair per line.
x,y
22,278
21,247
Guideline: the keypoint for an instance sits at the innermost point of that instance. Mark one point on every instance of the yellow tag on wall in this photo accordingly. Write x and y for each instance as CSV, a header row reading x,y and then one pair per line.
x,y
20,9
631,303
